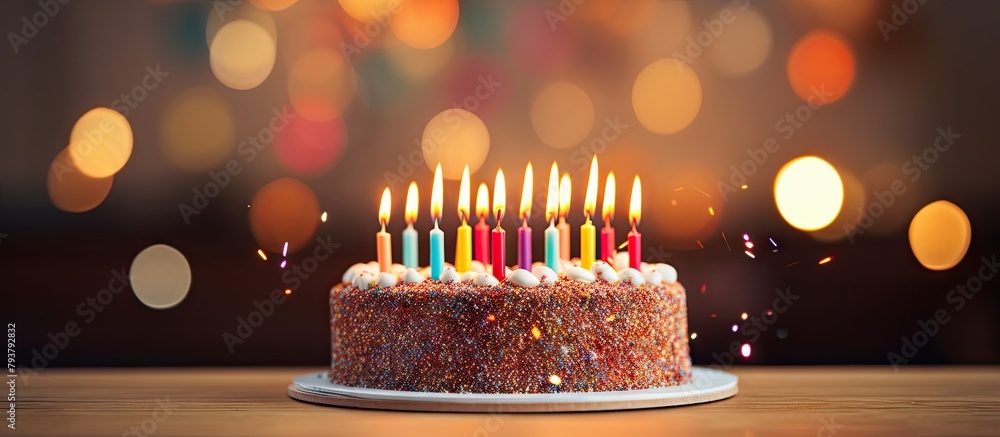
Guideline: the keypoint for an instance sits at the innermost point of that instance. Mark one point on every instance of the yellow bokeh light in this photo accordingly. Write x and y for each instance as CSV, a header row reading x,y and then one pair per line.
x,y
666,96
809,193
425,24
939,235
100,142
72,191
744,45
455,137
225,14
321,84
197,130
368,10
562,115
242,54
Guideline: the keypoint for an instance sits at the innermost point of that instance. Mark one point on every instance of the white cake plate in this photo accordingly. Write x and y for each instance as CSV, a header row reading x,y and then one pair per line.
x,y
707,385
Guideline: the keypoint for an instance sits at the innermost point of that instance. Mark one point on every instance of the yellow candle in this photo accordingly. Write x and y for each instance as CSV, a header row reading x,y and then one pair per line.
x,y
383,241
463,246
588,234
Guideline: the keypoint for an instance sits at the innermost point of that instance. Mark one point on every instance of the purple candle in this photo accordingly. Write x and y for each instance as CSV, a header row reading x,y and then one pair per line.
x,y
524,232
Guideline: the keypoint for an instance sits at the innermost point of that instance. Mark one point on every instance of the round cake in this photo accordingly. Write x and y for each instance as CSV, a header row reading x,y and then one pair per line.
x,y
535,332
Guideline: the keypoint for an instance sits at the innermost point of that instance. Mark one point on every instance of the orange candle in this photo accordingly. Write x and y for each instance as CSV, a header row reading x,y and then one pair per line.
x,y
383,241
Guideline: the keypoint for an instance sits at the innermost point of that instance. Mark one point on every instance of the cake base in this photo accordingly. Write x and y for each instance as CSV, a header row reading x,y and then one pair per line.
x,y
706,385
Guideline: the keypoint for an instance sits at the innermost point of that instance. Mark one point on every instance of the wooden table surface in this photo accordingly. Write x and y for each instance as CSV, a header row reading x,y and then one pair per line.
x,y
804,401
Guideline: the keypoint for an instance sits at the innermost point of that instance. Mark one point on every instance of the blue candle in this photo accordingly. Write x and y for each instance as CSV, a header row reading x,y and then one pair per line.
x,y
410,247
437,252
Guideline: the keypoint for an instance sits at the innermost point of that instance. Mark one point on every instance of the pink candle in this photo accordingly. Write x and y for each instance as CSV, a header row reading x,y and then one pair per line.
x,y
634,248
608,248
481,242
499,247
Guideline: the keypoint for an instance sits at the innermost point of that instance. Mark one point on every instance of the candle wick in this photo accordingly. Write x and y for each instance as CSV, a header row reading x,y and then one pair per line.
x,y
633,225
524,220
499,217
383,224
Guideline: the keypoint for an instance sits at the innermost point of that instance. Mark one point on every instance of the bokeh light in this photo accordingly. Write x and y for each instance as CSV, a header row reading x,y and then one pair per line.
x,y
272,5
310,148
100,142
562,115
940,234
243,11
455,137
418,64
633,16
284,210
160,276
809,193
321,84
368,10
821,67
666,96
744,45
197,131
72,191
425,24
242,54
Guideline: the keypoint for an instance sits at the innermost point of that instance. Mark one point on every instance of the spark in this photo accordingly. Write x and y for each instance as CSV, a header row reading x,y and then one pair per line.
x,y
749,244
750,254
323,217
727,241
262,255
694,335
746,237
702,192
535,332
678,188
284,251
745,350
772,241
284,263
735,328
711,211
555,379
744,186
743,316
792,264
825,260
623,245
288,291
699,244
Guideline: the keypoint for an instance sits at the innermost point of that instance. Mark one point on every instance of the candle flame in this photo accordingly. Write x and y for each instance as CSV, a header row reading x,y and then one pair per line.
x,y
529,176
410,212
590,200
436,194
483,200
635,206
552,200
499,196
565,195
608,212
463,196
384,207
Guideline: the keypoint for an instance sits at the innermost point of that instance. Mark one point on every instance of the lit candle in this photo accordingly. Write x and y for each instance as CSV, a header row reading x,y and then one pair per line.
x,y
499,246
437,236
587,231
608,213
409,234
565,193
383,241
463,244
481,242
524,232
634,237
552,242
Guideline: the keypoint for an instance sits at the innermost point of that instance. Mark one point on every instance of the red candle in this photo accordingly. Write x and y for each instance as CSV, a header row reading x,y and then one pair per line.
x,y
481,232
634,237
499,246
608,248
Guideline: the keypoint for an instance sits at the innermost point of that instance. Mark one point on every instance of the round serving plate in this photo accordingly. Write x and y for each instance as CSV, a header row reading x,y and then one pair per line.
x,y
706,385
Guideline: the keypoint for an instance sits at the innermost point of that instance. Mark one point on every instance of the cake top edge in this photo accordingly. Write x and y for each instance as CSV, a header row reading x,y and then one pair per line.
x,y
365,276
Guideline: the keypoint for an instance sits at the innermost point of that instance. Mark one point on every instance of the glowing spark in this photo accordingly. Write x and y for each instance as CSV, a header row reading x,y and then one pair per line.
x,y
623,245
825,260
491,317
792,264
727,241
743,187
770,313
772,241
751,255
678,188
702,192
711,211
288,291
749,245
694,335
283,263
284,251
535,332
745,350
322,218
735,328
699,244
746,237
743,316
555,379
262,255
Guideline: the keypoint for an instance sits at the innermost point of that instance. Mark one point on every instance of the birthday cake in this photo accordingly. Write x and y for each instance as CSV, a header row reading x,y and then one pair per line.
x,y
584,330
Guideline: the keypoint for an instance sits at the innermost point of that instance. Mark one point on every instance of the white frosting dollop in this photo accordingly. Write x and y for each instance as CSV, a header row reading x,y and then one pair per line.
x,y
352,272
449,275
632,276
486,279
523,278
477,267
397,269
364,280
604,271
470,276
645,268
565,264
580,274
545,274
668,271
385,280
411,276
654,277
621,260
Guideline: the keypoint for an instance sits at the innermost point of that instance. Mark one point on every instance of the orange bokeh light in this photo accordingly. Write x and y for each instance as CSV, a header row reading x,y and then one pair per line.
x,y
425,24
284,210
822,60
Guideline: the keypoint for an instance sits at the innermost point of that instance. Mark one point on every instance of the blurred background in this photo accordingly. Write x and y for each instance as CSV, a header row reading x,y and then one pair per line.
x,y
229,128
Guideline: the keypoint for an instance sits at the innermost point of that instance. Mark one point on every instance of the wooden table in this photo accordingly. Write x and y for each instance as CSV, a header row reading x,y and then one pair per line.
x,y
803,401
